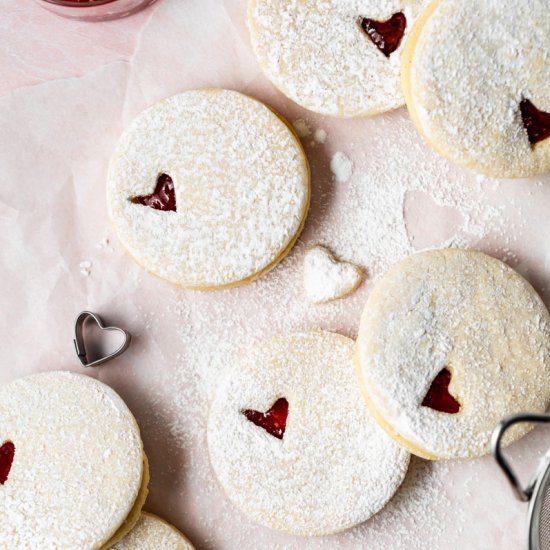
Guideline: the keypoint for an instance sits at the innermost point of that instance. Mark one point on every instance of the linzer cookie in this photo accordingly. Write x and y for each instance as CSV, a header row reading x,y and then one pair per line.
x,y
450,343
152,532
73,473
335,57
292,442
208,189
476,79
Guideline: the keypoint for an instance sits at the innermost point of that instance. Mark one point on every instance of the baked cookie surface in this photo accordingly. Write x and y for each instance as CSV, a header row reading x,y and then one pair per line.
x,y
476,78
292,442
208,189
78,474
450,343
334,57
151,532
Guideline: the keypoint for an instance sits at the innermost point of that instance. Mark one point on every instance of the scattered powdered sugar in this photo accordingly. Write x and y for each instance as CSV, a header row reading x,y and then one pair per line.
x,y
320,135
325,278
85,267
302,128
341,167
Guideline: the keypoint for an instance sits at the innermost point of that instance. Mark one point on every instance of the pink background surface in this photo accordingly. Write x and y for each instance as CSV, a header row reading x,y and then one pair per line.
x,y
66,91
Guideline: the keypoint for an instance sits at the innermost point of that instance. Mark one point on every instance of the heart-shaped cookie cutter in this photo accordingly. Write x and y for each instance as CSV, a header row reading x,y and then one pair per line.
x,y
80,345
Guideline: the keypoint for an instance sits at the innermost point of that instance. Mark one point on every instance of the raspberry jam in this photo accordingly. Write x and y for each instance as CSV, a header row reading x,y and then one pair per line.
x,y
7,452
438,396
94,10
386,35
273,421
535,121
163,197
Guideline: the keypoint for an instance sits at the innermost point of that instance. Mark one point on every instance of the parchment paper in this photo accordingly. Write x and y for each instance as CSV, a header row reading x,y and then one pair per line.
x,y
59,256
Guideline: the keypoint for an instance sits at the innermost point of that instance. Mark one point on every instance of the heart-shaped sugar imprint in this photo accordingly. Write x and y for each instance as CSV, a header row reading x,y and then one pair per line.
x,y
438,396
386,35
272,421
325,278
163,197
7,452
535,121
95,343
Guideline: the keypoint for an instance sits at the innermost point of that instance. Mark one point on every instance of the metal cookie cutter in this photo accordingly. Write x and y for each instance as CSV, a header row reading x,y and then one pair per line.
x,y
537,492
80,345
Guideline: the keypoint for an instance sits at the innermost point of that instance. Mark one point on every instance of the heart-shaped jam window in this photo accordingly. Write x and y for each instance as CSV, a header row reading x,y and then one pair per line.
x,y
162,198
7,452
272,421
535,121
438,396
386,35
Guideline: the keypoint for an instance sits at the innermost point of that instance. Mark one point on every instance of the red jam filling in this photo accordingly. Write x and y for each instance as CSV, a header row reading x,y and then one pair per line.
x,y
535,121
273,421
386,35
7,452
438,396
163,198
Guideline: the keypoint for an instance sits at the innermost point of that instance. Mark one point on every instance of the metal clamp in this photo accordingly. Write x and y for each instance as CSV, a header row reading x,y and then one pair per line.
x,y
80,345
523,494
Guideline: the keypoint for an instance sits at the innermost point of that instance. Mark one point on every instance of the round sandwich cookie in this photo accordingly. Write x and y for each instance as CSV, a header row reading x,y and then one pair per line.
x,y
476,80
152,532
73,473
334,57
450,343
208,189
292,442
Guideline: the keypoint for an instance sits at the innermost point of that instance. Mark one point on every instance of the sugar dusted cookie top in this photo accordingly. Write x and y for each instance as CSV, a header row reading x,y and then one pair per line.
x,y
151,532
334,57
450,343
476,77
292,442
208,189
78,462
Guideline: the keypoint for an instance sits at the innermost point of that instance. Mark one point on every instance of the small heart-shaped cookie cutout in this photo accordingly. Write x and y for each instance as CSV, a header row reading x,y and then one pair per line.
x,y
438,396
272,421
325,278
163,197
386,35
535,121
95,343
7,452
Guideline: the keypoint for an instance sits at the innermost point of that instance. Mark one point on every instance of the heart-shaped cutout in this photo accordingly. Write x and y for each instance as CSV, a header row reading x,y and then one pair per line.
x,y
535,121
7,452
438,396
272,421
162,198
386,35
93,340
326,278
